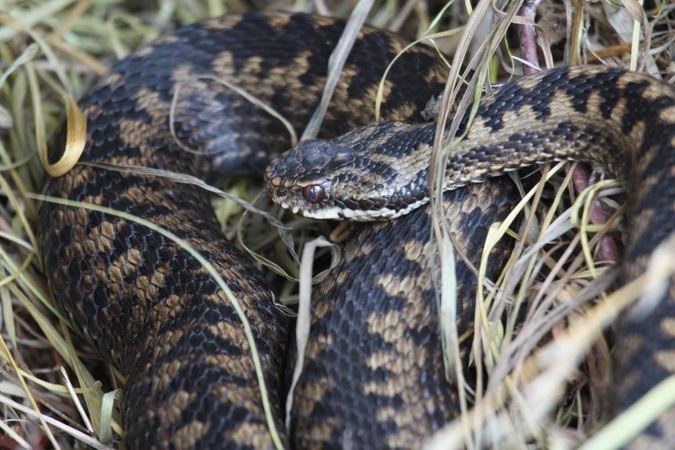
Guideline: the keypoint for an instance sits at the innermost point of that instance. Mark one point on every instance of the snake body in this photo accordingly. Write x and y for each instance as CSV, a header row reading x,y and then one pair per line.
x,y
149,308
622,120
145,304
374,374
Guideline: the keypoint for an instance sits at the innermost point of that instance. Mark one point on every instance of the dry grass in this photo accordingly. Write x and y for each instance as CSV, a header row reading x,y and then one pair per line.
x,y
54,50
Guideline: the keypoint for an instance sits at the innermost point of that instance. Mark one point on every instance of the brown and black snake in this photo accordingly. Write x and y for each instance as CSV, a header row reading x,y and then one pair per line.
x,y
374,375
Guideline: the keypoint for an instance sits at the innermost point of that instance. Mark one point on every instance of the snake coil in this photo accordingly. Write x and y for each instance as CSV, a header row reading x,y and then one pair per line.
x,y
373,376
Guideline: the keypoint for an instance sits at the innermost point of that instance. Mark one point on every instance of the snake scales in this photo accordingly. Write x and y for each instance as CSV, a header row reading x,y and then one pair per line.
x,y
153,312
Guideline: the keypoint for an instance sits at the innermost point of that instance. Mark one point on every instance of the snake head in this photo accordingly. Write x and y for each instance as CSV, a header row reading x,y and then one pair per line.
x,y
349,178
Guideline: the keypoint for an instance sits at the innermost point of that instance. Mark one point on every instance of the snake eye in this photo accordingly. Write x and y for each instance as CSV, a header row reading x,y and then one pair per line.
x,y
313,193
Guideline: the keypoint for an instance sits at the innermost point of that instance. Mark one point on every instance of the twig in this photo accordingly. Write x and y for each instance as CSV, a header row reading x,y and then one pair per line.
x,y
528,37
608,251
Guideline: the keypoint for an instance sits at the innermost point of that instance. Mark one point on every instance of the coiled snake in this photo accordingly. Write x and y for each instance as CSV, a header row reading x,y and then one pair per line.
x,y
153,311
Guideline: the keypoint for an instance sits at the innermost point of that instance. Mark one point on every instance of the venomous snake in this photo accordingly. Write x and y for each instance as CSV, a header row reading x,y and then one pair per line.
x,y
155,313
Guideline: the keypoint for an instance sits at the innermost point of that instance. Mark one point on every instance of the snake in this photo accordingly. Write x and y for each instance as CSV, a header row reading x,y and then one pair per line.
x,y
373,374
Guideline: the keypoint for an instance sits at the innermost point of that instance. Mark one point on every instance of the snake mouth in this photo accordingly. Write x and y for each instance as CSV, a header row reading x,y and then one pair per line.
x,y
295,209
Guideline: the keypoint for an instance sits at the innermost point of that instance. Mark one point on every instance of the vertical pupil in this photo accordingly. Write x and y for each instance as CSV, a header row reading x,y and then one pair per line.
x,y
313,194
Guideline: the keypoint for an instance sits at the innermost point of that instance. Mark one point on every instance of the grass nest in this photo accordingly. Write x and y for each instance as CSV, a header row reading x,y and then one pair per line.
x,y
546,373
